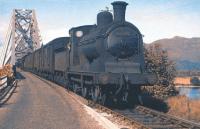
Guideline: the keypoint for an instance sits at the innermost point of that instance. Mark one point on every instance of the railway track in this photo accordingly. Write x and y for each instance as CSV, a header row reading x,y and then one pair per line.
x,y
144,118
140,117
158,120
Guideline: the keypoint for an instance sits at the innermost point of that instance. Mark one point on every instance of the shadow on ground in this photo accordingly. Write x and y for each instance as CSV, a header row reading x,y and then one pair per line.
x,y
20,76
154,103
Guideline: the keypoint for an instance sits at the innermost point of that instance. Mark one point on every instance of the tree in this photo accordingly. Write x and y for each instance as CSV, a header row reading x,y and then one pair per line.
x,y
195,81
157,61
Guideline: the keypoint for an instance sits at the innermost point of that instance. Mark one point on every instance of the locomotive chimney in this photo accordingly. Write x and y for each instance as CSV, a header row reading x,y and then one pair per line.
x,y
119,8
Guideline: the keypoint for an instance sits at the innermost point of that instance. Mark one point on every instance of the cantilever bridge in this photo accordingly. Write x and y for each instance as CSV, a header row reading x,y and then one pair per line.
x,y
22,37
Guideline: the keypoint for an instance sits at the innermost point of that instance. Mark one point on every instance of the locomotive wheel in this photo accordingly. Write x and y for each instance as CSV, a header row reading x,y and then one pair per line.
x,y
134,98
103,99
74,88
84,92
140,100
95,94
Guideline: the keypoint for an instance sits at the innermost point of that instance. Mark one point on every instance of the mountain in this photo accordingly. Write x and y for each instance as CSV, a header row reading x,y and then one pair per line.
x,y
184,51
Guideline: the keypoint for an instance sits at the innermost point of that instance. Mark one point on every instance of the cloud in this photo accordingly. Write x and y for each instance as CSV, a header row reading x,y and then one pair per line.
x,y
50,34
4,23
52,29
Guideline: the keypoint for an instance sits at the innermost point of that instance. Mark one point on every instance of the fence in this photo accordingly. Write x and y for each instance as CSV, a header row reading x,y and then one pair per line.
x,y
7,86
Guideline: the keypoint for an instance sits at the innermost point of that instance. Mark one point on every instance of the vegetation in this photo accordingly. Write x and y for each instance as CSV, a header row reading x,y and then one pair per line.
x,y
181,106
6,71
183,51
157,61
195,81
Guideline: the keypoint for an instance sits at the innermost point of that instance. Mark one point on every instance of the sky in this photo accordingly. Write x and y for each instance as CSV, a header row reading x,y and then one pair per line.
x,y
156,19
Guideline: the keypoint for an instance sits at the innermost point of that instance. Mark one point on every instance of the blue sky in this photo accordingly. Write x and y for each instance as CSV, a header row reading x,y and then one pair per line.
x,y
155,19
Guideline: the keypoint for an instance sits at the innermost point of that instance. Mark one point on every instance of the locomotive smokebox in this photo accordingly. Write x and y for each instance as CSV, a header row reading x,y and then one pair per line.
x,y
119,8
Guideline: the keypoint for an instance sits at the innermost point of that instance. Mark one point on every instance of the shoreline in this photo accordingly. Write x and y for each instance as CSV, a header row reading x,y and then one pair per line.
x,y
186,86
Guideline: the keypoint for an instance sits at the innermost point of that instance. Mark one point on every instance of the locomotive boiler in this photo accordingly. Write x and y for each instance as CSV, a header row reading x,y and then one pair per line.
x,y
103,62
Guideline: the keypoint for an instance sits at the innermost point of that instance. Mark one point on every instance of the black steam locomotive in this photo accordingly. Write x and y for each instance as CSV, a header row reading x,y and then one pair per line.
x,y
103,62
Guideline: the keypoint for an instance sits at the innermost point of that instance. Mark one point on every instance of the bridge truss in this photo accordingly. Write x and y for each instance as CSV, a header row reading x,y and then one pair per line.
x,y
22,37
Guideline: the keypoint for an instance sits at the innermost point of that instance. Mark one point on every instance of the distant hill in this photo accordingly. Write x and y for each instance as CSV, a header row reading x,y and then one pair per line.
x,y
184,51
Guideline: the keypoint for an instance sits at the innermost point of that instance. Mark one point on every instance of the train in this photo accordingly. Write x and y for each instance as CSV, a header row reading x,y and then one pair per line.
x,y
103,62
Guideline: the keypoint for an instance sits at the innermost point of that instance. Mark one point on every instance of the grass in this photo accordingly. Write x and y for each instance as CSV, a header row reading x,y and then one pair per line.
x,y
181,106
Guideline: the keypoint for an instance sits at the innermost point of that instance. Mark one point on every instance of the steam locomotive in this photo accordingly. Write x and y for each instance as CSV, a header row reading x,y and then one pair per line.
x,y
103,62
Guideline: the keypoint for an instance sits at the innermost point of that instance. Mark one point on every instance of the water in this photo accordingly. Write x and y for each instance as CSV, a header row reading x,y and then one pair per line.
x,y
190,92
